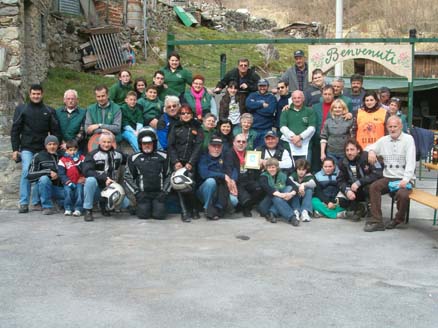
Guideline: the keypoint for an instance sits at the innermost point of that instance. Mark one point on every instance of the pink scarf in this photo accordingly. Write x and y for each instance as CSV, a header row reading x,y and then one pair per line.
x,y
198,96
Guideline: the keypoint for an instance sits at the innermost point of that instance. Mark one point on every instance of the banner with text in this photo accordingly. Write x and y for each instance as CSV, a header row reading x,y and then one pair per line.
x,y
395,57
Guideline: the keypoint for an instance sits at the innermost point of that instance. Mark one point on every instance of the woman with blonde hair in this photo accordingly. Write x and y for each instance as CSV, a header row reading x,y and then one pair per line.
x,y
335,132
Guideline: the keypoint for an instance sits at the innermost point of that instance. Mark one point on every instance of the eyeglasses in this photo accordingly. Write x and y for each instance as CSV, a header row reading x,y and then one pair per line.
x,y
186,113
241,141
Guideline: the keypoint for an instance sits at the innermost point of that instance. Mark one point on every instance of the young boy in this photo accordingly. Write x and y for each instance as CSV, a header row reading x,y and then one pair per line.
x,y
132,120
72,179
305,182
279,190
152,107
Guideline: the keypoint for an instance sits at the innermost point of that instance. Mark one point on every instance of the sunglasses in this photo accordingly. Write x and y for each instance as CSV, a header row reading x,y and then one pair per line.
x,y
185,113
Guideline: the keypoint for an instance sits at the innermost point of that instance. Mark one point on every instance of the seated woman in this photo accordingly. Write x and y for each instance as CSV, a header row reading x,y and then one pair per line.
x,y
279,190
325,202
120,89
250,135
184,150
224,130
354,178
199,99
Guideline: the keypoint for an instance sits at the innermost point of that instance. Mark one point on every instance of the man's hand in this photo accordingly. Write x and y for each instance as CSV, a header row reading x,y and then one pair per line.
x,y
188,166
53,175
265,105
244,86
403,184
296,140
331,205
92,128
231,184
108,181
301,189
153,123
372,157
15,155
178,166
351,195
285,108
354,187
348,116
217,90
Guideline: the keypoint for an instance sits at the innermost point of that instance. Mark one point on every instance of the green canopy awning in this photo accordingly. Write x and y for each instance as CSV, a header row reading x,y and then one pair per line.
x,y
394,84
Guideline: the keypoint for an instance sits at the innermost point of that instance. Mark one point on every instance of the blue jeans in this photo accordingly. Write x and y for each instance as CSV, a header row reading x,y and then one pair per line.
x,y
131,138
206,191
277,206
74,198
303,203
92,194
26,160
48,192
335,157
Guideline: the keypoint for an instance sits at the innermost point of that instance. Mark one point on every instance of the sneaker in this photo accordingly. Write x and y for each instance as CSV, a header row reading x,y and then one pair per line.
x,y
341,215
317,215
88,215
295,222
49,211
371,227
186,218
77,213
68,213
23,209
305,216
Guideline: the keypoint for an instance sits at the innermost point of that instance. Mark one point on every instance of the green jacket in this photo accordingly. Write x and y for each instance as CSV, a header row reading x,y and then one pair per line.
x,y
118,92
177,80
71,125
163,92
151,109
251,137
207,136
347,101
298,121
205,101
111,121
131,116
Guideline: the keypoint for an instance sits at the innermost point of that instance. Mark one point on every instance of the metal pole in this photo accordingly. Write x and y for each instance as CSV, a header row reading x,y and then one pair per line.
x,y
339,68
223,66
170,47
412,37
145,28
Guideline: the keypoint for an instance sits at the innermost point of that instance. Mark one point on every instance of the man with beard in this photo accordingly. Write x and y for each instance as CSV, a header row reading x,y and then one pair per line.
x,y
357,92
296,76
144,177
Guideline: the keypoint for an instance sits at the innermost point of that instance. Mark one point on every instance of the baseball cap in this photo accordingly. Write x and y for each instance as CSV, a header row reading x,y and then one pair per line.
x,y
299,53
215,141
270,134
263,82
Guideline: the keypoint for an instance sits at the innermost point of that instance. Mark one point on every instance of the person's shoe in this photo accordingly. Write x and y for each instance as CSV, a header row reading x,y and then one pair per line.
x,y
23,209
295,222
247,212
371,227
341,215
305,216
317,215
271,217
186,218
195,215
77,213
105,212
68,213
36,207
392,224
88,215
49,211
215,218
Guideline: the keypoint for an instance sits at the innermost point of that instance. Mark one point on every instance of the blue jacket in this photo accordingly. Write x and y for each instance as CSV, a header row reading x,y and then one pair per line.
x,y
281,102
326,186
263,117
216,167
423,141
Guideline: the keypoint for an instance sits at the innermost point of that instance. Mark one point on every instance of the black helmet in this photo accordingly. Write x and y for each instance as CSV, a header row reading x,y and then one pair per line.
x,y
147,135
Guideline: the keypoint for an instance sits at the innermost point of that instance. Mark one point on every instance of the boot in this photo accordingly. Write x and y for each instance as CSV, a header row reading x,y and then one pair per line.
x,y
88,215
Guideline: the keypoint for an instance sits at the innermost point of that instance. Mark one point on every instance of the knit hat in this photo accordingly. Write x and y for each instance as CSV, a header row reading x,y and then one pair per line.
x,y
51,138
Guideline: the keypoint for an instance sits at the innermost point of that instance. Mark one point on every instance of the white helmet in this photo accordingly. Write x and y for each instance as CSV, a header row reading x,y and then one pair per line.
x,y
181,181
112,196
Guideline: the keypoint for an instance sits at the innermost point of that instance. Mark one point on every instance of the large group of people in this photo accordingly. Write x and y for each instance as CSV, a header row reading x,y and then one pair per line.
x,y
294,151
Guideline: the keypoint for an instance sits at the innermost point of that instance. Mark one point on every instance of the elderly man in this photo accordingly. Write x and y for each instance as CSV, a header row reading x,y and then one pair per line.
x,y
218,180
398,152
249,189
262,105
172,106
246,79
338,88
71,119
31,124
296,76
273,149
104,115
297,124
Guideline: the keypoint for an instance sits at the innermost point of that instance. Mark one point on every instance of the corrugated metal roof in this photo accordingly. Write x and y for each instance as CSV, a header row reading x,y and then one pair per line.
x,y
72,7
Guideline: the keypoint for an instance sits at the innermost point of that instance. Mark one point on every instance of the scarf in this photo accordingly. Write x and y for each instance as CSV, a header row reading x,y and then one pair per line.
x,y
241,156
198,97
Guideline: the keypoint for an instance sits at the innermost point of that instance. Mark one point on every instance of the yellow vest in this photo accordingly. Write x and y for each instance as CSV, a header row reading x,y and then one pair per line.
x,y
370,126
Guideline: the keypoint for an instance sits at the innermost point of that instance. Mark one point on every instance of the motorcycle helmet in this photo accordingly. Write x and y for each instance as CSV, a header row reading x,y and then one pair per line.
x,y
181,180
112,196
